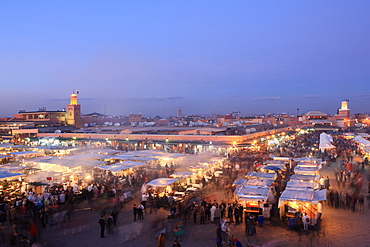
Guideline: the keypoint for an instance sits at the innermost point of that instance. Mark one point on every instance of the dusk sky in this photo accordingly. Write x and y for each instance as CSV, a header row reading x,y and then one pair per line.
x,y
208,57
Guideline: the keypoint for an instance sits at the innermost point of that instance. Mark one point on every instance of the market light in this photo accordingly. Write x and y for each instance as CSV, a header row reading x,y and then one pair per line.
x,y
167,140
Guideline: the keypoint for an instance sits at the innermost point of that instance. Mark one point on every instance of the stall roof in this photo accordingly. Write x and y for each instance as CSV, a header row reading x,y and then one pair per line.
x,y
131,157
5,156
297,195
307,159
281,158
275,162
6,175
254,174
302,177
253,194
24,153
181,174
8,167
294,184
122,166
306,170
255,182
162,181
308,195
271,168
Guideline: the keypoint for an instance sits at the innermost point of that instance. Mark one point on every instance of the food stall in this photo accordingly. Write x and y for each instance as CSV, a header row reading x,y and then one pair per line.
x,y
255,199
299,200
162,185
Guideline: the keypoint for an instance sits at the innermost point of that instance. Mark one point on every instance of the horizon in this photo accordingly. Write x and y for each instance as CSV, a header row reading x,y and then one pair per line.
x,y
207,58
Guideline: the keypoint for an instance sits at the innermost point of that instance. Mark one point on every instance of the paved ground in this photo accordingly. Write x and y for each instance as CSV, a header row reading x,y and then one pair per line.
x,y
339,227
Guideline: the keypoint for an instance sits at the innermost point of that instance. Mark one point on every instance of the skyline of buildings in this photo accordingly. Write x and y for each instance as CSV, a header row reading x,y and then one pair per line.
x,y
208,58
72,116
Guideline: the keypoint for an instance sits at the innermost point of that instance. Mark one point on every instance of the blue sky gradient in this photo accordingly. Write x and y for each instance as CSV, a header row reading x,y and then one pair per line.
x,y
209,57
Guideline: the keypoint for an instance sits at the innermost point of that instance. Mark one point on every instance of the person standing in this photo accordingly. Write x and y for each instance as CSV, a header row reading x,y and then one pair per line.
x,y
109,224
102,226
213,209
305,221
161,240
179,230
134,211
202,214
195,213
237,215
140,212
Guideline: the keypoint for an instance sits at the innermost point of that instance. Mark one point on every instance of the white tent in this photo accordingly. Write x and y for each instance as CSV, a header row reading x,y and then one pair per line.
x,y
181,174
122,166
265,175
325,142
162,181
10,175
302,177
362,141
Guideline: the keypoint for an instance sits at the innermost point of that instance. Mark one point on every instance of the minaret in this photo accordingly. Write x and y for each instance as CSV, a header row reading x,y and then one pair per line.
x,y
179,112
344,111
74,111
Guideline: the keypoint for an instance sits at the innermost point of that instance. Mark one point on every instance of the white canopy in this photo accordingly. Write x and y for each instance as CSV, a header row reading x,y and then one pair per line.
x,y
252,194
298,185
181,174
362,141
325,142
162,181
265,175
254,182
8,175
302,177
122,166
304,170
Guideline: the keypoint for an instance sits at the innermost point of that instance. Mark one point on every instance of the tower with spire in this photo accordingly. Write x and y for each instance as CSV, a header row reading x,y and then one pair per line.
x,y
74,111
179,112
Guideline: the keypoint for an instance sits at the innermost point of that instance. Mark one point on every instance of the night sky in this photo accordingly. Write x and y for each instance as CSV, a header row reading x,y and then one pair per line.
x,y
208,57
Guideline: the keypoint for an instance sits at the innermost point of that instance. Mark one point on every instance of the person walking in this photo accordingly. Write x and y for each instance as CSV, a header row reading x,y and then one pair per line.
x,y
161,240
102,226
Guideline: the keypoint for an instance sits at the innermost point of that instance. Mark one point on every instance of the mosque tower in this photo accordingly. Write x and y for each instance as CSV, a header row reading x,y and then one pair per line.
x,y
344,111
179,112
344,115
74,111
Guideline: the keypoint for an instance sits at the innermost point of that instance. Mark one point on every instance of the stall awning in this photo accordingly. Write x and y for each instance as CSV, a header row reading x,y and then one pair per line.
x,y
9,175
162,181
181,174
122,166
254,174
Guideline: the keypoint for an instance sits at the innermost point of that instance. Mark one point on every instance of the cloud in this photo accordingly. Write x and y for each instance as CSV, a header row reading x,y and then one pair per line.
x,y
156,99
361,95
268,98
